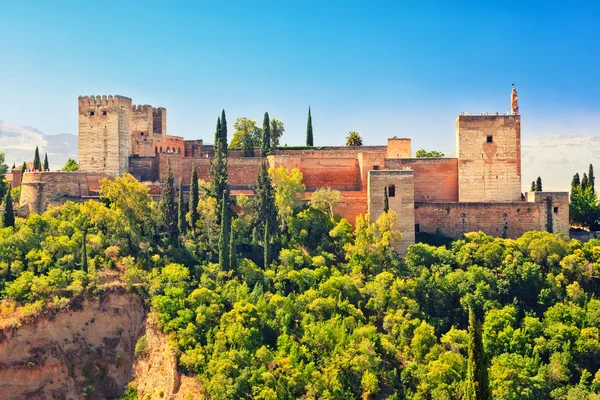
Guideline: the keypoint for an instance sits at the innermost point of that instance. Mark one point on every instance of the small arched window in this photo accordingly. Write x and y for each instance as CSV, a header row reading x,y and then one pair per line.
x,y
161,149
391,191
155,150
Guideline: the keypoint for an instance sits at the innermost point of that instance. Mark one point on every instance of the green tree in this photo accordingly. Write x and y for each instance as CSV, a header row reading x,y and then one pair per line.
x,y
421,153
247,146
354,139
289,191
576,182
538,184
584,182
13,167
309,130
224,239
592,179
46,165
532,186
194,198
8,216
264,193
182,223
168,206
277,130
84,256
245,129
218,171
37,163
267,246
233,261
70,166
477,386
3,166
265,143
223,134
326,200
386,201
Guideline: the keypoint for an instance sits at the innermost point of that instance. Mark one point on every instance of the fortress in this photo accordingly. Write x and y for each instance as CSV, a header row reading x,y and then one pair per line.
x,y
479,190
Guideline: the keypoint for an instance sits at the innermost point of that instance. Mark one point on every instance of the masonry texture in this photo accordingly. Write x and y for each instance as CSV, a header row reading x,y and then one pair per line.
x,y
479,190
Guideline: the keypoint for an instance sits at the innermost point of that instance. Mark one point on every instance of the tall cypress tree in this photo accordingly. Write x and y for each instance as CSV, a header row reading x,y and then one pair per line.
x,y
533,186
37,164
194,198
168,206
386,200
14,166
232,250
224,239
218,170
267,245
576,182
247,145
223,133
8,216
84,257
23,169
264,193
584,182
478,387
592,179
265,145
538,184
46,166
182,223
309,130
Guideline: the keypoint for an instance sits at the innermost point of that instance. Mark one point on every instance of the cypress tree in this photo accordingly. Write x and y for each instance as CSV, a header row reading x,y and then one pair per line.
x,y
533,186
223,133
584,182
194,198
592,179
37,164
386,200
538,184
247,145
478,387
264,193
309,130
224,239
168,207
267,245
14,166
576,182
265,145
84,258
218,170
232,250
46,166
23,169
8,216
182,223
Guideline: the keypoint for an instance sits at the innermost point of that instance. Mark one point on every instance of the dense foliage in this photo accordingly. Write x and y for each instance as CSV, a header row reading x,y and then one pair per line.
x,y
584,209
335,313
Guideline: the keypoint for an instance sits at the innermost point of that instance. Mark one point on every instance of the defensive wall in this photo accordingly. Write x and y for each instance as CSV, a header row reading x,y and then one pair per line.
x,y
435,179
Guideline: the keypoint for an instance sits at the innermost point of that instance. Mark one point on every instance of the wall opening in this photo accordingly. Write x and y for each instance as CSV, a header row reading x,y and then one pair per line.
x,y
142,133
155,150
490,139
91,113
375,167
103,112
417,228
555,210
391,191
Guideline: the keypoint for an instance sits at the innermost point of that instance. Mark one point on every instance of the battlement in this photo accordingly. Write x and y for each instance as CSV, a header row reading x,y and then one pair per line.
x,y
139,108
92,101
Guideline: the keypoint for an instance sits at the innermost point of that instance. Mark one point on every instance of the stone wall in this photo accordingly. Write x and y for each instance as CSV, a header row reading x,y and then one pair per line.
x,y
168,144
510,219
193,148
159,121
436,179
554,214
398,148
144,168
489,157
104,134
401,201
142,140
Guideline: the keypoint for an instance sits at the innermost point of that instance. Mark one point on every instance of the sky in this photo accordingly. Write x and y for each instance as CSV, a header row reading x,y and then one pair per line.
x,y
398,68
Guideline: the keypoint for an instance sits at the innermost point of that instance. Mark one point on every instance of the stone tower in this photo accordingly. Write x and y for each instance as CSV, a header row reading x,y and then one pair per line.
x,y
104,134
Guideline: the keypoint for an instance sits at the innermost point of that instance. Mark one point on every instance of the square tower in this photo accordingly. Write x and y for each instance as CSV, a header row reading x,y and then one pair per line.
x,y
104,140
142,137
489,158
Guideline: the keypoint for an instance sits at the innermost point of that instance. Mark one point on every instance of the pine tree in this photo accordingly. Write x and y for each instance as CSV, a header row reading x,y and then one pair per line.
x,y
84,257
267,245
592,179
37,164
386,200
584,182
223,133
218,170
309,130
478,387
168,206
8,216
533,186
576,182
194,198
538,184
224,245
46,166
265,145
264,193
182,223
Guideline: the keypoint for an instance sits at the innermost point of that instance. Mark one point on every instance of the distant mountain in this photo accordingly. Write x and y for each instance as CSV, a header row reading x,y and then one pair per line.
x,y
19,142
556,158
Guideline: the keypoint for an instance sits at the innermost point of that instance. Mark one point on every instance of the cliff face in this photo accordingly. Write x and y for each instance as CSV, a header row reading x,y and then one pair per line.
x,y
85,352
88,352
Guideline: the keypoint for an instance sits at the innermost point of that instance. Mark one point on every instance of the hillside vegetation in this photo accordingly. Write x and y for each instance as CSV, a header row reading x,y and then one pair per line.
x,y
334,312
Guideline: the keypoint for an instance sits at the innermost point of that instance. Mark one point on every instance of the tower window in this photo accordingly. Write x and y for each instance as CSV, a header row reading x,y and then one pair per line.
x,y
91,113
391,191
490,139
555,210
142,134
375,167
103,112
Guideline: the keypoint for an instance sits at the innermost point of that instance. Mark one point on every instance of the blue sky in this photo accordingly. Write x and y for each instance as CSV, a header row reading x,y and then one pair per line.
x,y
381,68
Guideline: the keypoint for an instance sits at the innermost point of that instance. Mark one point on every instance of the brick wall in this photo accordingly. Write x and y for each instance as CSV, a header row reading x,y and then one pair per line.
x,y
144,168
435,179
489,170
398,148
510,219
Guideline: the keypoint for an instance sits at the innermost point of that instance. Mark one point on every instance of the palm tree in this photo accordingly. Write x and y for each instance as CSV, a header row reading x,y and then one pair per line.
x,y
353,139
